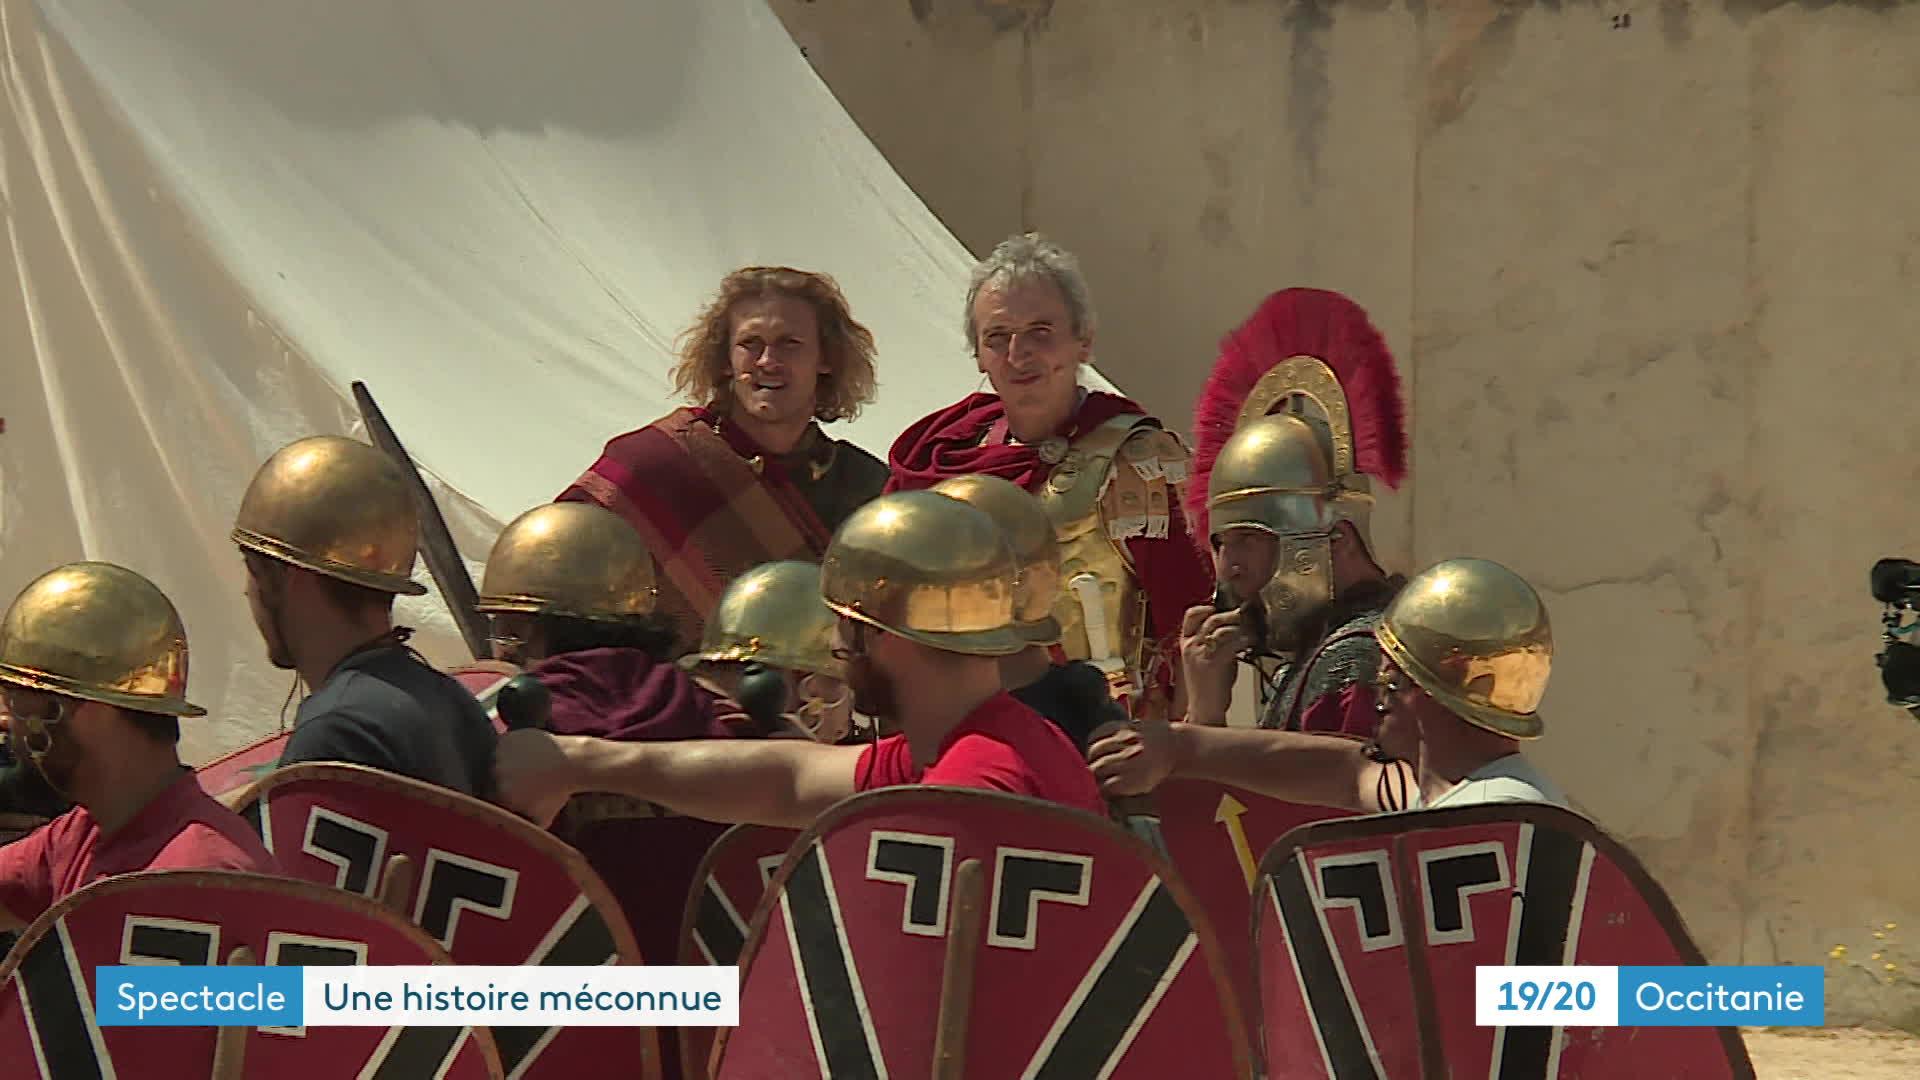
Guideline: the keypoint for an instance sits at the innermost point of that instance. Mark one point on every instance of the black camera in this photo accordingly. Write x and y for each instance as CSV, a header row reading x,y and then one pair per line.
x,y
1896,583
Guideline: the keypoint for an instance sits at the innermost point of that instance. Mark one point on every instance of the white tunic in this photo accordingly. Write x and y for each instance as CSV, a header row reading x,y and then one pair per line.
x,y
1508,779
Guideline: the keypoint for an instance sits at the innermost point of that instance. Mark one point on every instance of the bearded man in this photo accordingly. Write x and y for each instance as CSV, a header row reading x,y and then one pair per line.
x,y
1467,648
93,684
1301,415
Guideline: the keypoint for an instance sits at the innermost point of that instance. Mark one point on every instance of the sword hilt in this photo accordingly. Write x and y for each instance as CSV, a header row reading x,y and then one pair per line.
x,y
1142,817
524,704
762,692
1101,651
1085,588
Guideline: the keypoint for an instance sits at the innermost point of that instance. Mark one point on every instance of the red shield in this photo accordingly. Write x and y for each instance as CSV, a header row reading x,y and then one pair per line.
x,y
1215,835
725,892
492,888
1016,937
199,917
227,776
1369,931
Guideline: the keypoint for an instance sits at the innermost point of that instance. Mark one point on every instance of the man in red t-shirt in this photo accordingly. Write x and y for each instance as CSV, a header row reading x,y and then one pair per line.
x,y
924,587
93,679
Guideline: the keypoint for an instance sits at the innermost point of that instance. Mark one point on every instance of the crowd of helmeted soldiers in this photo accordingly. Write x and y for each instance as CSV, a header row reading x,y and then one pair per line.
x,y
1042,591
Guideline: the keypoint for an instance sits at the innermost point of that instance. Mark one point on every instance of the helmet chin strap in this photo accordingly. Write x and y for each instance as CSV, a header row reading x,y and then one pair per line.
x,y
293,689
38,743
396,636
278,627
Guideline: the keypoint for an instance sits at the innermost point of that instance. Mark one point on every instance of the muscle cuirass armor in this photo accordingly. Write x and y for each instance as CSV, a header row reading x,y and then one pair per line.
x,y
1112,483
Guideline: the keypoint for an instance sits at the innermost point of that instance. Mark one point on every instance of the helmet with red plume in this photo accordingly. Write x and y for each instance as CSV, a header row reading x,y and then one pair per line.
x,y
1302,408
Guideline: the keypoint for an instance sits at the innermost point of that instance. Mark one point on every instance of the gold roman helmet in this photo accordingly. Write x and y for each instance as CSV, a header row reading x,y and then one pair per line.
x,y
1036,555
569,558
99,632
773,614
1475,636
1280,474
929,568
337,507
1303,406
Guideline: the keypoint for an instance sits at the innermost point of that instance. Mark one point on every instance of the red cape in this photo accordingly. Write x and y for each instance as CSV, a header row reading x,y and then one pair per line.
x,y
691,488
948,443
625,694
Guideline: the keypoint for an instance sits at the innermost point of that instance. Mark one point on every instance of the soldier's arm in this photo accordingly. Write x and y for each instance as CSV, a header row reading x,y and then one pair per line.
x,y
1316,769
1319,770
778,782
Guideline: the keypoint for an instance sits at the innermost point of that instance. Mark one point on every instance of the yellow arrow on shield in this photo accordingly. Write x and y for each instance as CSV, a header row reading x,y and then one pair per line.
x,y
1228,813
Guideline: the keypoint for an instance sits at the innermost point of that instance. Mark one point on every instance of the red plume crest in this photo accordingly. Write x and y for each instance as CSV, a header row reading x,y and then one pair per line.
x,y
1303,322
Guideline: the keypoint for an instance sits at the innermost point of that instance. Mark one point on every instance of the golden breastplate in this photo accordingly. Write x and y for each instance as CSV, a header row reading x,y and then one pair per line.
x,y
1113,483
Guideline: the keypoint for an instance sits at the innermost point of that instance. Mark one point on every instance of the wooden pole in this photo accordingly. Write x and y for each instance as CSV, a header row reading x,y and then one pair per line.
x,y
956,983
396,884
230,1044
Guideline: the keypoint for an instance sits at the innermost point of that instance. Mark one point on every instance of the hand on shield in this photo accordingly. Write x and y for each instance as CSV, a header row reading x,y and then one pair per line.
x,y
534,774
1133,760
1209,642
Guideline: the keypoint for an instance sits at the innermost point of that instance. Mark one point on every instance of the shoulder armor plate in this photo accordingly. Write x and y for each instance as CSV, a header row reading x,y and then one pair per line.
x,y
1346,657
1110,485
1350,661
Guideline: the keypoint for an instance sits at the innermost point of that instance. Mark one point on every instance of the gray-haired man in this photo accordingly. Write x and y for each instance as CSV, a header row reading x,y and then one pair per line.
x,y
1107,473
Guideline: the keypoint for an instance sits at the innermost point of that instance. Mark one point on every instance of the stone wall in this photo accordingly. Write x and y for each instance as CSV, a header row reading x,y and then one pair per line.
x,y
1650,271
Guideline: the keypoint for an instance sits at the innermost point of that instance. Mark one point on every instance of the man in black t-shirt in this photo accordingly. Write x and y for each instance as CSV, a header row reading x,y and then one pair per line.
x,y
329,534
1076,697
385,707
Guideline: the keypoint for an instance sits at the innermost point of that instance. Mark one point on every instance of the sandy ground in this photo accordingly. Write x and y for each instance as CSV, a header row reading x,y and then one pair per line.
x,y
1833,1054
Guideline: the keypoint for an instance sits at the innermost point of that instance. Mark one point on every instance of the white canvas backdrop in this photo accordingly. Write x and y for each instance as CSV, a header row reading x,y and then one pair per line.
x,y
219,213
